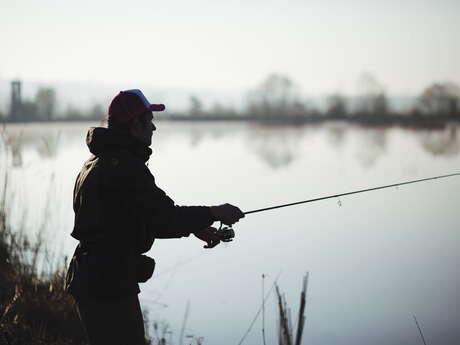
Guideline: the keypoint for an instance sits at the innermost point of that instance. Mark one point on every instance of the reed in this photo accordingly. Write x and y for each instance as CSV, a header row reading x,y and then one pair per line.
x,y
285,329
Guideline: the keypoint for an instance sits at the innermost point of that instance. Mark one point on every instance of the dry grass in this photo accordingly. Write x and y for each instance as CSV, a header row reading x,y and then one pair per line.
x,y
286,332
34,309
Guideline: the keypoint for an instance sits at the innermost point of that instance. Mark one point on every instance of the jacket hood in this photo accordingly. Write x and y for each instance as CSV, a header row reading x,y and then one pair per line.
x,y
101,139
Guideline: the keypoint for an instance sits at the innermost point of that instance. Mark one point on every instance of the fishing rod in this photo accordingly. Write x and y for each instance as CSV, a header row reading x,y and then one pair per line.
x,y
353,192
227,233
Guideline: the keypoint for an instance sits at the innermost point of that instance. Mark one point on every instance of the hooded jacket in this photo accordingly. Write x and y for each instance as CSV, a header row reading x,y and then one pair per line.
x,y
119,211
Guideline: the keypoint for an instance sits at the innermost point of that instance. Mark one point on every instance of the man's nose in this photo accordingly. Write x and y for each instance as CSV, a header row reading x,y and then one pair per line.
x,y
154,128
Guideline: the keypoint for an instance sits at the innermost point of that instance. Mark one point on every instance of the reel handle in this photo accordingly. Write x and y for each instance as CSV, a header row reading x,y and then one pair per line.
x,y
225,233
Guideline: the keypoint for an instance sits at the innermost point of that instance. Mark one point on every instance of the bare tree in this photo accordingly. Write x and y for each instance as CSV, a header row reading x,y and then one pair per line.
x,y
372,99
196,106
439,99
2,114
218,109
73,113
45,102
96,112
28,111
277,95
336,106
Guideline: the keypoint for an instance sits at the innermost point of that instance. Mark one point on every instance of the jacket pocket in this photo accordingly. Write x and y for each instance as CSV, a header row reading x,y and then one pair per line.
x,y
144,268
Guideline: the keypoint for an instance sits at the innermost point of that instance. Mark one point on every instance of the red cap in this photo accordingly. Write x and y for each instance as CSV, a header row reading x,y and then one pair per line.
x,y
131,103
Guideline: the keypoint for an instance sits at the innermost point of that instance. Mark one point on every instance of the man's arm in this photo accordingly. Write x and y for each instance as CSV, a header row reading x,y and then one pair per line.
x,y
165,219
184,220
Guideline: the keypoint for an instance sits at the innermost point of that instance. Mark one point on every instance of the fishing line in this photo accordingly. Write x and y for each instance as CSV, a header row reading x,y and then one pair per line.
x,y
350,193
260,309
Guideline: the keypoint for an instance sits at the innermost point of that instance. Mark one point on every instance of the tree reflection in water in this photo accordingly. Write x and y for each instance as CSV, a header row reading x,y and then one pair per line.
x,y
280,146
441,142
373,146
13,145
337,134
276,145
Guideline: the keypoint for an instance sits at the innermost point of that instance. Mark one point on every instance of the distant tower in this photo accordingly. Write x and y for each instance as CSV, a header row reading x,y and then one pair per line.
x,y
15,106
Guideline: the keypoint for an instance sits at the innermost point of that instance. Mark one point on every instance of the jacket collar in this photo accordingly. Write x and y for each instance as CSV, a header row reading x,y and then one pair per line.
x,y
100,140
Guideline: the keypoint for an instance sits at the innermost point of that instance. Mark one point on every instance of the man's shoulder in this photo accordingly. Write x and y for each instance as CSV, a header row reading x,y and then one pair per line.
x,y
123,164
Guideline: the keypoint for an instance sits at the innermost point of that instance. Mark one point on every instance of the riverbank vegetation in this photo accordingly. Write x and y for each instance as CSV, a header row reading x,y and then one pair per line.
x,y
34,309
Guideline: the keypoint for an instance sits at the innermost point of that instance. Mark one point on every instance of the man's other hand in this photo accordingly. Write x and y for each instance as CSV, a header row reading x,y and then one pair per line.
x,y
226,213
209,236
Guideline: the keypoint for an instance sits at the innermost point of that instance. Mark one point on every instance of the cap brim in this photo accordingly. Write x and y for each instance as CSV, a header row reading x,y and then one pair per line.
x,y
157,107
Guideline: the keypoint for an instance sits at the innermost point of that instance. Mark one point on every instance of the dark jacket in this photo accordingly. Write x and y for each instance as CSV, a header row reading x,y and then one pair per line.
x,y
119,211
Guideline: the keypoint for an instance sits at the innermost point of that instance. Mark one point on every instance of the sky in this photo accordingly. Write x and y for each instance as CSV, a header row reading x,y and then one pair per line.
x,y
323,46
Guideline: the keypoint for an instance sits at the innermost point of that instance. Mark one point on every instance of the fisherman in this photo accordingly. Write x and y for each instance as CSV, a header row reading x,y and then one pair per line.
x,y
119,212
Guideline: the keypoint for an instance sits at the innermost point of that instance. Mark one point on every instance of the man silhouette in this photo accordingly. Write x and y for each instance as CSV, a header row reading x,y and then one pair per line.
x,y
119,212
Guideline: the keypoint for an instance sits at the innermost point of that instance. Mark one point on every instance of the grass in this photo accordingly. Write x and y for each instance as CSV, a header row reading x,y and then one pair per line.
x,y
34,309
285,330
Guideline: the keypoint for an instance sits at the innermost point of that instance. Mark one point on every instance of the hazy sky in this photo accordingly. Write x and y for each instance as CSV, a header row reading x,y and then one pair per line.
x,y
322,45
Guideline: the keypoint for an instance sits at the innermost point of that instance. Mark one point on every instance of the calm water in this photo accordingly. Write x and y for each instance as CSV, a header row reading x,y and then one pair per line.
x,y
374,259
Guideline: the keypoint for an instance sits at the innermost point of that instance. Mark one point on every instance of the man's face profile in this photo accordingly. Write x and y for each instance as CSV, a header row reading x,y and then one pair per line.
x,y
143,128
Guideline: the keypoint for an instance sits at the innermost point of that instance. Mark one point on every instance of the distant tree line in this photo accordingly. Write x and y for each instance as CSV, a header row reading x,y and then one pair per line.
x,y
41,108
44,107
277,97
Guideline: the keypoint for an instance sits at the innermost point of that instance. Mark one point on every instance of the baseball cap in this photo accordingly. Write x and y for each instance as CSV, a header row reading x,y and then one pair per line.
x,y
131,103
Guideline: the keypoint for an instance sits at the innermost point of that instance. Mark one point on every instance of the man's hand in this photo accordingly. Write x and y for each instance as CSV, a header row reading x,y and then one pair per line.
x,y
226,213
209,236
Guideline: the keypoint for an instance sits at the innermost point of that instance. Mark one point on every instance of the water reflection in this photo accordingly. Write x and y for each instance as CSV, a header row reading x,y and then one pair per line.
x,y
441,142
45,144
277,146
48,145
198,133
372,147
336,134
279,164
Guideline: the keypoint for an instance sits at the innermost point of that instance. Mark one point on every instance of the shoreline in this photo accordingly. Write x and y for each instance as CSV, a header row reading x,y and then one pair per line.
x,y
368,121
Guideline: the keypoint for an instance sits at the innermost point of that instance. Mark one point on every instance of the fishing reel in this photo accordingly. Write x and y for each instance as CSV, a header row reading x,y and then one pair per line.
x,y
225,233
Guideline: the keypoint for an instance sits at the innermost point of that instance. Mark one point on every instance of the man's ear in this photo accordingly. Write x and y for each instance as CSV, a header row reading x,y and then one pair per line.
x,y
133,127
135,124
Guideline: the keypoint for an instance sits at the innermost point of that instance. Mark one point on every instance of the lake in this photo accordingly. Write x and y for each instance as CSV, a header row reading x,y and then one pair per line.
x,y
374,259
